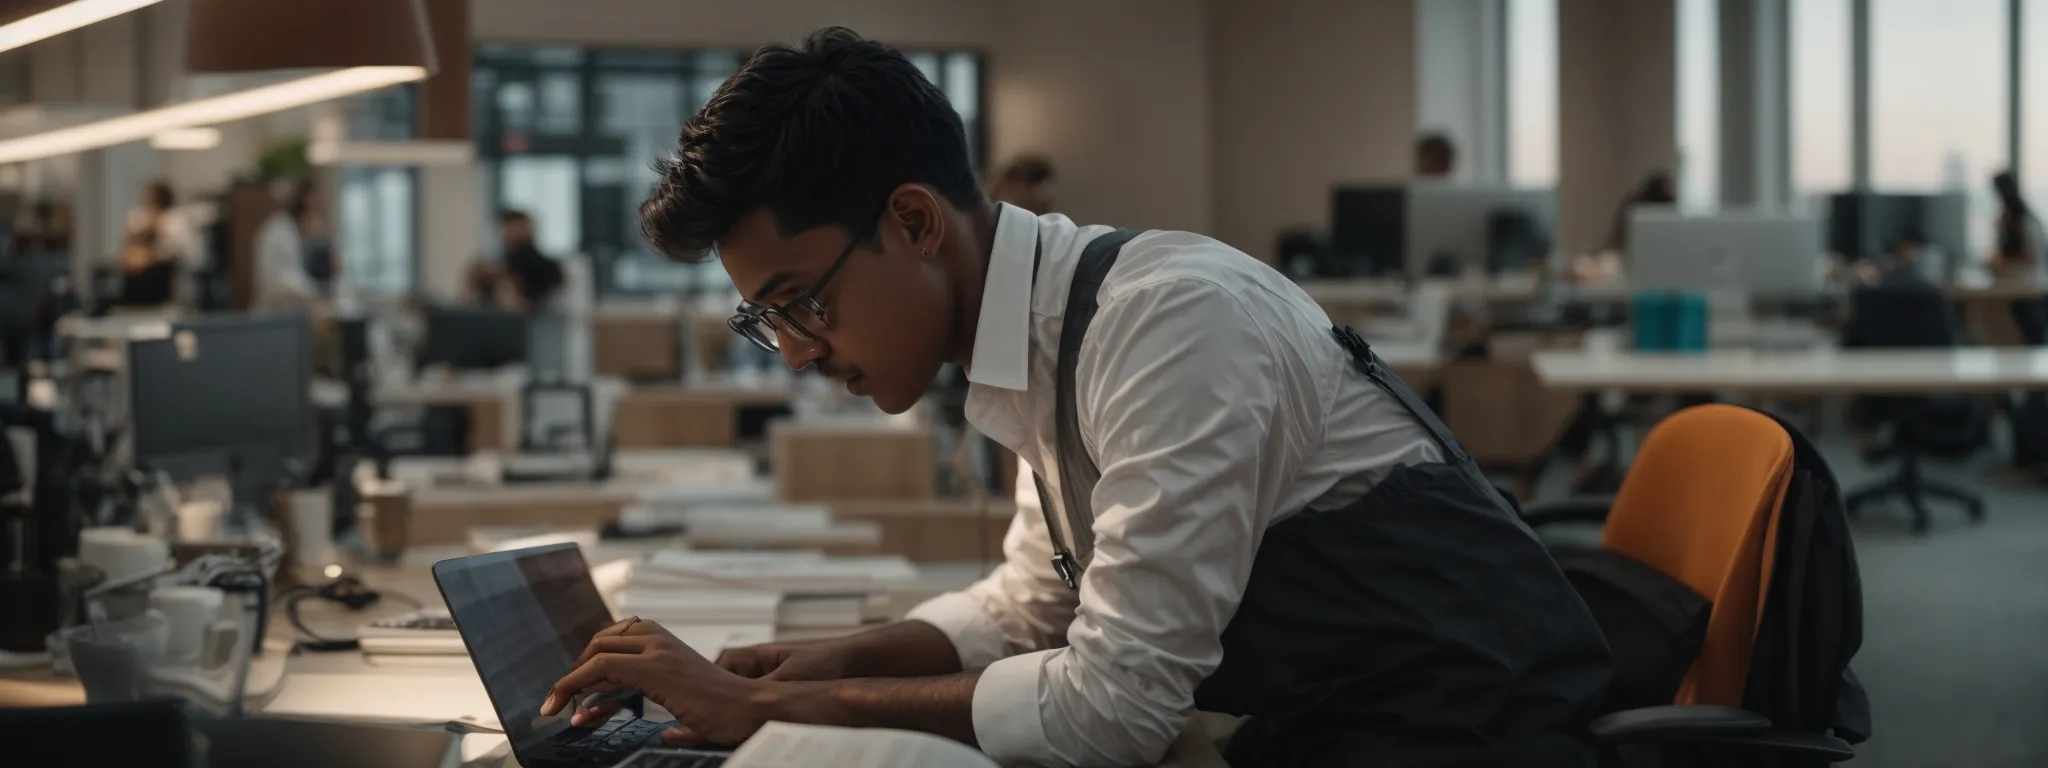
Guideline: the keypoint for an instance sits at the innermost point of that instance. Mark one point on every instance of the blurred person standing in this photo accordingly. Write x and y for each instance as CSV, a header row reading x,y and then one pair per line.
x,y
1026,183
158,250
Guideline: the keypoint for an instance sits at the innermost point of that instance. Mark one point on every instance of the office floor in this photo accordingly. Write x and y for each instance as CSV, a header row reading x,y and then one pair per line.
x,y
1955,650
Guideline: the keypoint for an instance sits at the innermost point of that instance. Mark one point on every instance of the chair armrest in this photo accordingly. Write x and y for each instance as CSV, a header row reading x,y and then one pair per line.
x,y
1582,509
1677,721
1712,723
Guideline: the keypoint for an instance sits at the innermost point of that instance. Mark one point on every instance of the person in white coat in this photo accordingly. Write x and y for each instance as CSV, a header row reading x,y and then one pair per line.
x,y
282,282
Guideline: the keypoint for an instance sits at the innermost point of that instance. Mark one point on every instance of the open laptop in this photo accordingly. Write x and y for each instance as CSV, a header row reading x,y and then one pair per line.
x,y
525,615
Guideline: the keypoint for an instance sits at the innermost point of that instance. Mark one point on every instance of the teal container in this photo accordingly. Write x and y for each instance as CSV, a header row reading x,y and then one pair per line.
x,y
1689,319
1651,320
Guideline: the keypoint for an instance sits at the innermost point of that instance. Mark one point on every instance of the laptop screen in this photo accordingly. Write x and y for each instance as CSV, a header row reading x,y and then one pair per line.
x,y
525,615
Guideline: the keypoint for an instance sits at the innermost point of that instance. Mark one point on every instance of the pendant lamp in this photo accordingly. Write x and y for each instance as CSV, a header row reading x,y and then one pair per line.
x,y
255,35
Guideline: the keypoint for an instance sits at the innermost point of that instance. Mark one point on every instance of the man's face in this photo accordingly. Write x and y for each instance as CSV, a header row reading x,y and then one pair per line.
x,y
887,313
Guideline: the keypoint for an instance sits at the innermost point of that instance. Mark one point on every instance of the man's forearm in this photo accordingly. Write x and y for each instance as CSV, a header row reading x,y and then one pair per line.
x,y
939,705
902,649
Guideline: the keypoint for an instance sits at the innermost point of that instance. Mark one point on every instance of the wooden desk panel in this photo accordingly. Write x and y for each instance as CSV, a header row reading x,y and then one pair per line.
x,y
635,347
938,531
815,462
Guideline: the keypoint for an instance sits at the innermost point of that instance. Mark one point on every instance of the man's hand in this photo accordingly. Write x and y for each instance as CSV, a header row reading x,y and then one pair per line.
x,y
902,649
713,704
829,660
709,703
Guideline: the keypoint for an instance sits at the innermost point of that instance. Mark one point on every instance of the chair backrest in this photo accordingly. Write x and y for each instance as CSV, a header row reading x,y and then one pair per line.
x,y
1700,504
1904,313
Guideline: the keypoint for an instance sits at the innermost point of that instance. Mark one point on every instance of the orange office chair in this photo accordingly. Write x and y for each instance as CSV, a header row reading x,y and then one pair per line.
x,y
1726,584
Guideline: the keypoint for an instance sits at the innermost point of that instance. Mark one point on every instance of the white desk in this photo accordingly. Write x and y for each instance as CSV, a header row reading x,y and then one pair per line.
x,y
1823,371
37,687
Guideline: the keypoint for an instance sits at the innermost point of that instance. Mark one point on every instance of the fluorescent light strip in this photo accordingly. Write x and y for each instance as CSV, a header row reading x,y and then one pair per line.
x,y
65,18
208,111
186,139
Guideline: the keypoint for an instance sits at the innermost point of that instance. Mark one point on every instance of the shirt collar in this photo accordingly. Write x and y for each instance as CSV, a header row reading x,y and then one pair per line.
x,y
1002,335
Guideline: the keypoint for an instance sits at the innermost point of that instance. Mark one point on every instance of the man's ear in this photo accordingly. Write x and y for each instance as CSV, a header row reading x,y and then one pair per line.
x,y
919,215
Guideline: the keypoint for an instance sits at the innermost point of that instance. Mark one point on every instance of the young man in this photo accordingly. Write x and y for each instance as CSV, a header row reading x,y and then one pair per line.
x,y
1215,411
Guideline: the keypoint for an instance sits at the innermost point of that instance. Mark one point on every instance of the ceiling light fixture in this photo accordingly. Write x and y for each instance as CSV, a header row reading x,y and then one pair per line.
x,y
207,111
63,18
186,139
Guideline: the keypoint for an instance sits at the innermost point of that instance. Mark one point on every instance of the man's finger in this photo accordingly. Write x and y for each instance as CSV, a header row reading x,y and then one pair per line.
x,y
604,668
614,644
681,736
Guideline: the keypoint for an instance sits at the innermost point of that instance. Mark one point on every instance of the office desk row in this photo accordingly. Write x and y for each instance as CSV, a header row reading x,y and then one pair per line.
x,y
387,689
1824,371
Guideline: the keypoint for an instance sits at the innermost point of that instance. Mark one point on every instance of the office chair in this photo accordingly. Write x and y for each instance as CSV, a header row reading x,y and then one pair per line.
x,y
1915,314
1726,584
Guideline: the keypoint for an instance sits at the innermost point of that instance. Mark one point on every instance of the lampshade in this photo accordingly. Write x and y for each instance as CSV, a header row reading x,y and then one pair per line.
x,y
252,35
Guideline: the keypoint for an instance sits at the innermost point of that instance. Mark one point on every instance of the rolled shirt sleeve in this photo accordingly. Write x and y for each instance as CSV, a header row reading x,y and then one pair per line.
x,y
1020,607
1198,422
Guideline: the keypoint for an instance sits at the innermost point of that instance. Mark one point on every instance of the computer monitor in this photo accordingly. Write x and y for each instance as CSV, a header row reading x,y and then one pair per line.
x,y
1368,231
1757,253
471,338
1453,228
224,395
1867,224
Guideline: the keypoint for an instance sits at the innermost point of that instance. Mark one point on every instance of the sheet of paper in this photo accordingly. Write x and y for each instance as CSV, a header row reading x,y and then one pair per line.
x,y
387,698
785,745
708,639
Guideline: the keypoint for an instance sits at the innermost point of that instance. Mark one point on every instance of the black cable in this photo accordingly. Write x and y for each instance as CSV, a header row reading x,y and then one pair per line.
x,y
347,591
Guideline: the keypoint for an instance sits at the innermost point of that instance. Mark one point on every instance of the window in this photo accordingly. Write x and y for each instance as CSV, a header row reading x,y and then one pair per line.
x,y
1532,92
1699,105
1938,76
377,225
571,135
1820,98
2034,106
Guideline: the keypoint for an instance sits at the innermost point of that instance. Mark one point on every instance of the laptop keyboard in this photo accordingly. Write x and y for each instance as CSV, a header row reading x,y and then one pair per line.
x,y
618,736
418,620
664,758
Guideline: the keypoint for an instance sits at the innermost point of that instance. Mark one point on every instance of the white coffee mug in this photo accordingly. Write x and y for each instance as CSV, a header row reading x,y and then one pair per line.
x,y
121,553
188,614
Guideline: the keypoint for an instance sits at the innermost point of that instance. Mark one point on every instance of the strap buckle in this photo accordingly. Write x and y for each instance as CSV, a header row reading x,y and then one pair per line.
x,y
1361,351
1063,564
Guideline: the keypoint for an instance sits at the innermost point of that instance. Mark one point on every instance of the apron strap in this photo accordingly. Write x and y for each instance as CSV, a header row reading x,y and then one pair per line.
x,y
1380,375
1077,470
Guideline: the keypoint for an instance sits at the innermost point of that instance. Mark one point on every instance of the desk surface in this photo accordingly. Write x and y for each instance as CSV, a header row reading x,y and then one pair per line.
x,y
38,687
1826,370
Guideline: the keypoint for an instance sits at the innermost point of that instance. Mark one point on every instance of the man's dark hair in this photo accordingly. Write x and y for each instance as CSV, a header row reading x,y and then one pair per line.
x,y
1437,148
161,196
821,133
513,216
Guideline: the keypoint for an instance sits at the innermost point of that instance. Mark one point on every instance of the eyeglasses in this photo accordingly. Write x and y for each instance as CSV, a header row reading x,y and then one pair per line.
x,y
765,325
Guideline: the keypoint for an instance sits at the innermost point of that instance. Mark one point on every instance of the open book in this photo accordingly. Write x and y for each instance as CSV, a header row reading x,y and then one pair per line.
x,y
785,745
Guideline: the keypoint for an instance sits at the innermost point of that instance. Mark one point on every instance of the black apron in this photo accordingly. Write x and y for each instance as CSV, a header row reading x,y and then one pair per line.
x,y
1422,625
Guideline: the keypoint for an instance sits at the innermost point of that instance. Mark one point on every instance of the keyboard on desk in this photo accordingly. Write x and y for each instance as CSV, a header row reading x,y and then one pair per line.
x,y
611,740
673,758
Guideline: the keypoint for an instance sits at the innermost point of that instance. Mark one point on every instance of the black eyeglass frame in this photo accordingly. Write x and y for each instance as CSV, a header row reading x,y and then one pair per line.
x,y
761,325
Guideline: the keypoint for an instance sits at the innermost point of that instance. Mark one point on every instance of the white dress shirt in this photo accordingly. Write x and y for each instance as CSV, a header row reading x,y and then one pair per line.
x,y
282,283
1216,403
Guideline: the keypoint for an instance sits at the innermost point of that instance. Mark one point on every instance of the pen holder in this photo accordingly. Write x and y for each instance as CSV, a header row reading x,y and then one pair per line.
x,y
386,515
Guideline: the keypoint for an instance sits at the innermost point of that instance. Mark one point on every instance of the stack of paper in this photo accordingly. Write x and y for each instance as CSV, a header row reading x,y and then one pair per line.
x,y
808,589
